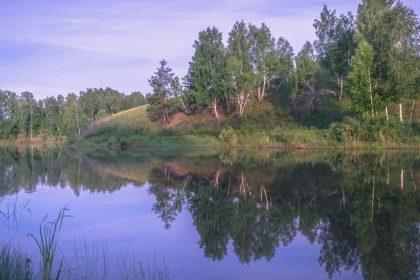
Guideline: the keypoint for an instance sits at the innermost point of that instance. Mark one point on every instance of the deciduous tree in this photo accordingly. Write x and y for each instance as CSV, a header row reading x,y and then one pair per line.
x,y
240,66
362,82
207,75
263,57
335,44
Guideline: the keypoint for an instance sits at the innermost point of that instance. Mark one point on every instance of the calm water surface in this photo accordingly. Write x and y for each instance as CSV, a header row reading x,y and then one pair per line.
x,y
249,215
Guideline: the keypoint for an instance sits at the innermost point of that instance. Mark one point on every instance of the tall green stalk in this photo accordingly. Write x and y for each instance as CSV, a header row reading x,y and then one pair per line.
x,y
47,244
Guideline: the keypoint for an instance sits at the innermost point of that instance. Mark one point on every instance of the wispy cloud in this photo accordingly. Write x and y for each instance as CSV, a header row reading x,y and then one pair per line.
x,y
51,47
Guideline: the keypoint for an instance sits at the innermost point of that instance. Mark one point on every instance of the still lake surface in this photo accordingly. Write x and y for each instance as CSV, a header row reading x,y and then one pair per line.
x,y
234,215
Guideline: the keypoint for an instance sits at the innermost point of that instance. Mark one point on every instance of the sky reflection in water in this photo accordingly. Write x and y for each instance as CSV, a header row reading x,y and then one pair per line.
x,y
231,216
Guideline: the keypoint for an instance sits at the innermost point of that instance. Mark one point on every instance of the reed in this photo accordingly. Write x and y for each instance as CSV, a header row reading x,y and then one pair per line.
x,y
47,242
13,264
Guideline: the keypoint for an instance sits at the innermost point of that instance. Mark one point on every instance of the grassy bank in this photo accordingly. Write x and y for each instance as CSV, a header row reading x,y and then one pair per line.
x,y
40,141
133,129
262,127
283,138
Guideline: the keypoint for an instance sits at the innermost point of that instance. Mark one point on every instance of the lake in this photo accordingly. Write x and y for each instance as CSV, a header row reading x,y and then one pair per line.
x,y
255,214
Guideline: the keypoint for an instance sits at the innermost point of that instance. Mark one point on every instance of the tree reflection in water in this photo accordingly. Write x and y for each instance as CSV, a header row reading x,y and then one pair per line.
x,y
362,209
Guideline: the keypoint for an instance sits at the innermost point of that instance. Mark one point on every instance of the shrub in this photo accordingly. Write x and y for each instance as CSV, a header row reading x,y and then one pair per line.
x,y
260,115
368,129
228,135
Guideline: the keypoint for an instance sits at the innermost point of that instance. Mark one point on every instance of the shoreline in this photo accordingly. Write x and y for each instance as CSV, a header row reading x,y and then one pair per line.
x,y
32,143
183,143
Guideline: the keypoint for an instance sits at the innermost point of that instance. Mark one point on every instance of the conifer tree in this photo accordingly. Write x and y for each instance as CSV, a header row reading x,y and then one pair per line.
x,y
161,83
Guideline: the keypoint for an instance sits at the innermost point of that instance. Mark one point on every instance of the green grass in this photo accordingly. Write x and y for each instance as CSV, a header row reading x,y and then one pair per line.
x,y
262,126
13,264
285,138
47,242
132,121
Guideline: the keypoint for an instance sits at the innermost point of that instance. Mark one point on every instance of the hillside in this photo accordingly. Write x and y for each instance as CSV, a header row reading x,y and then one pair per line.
x,y
132,121
136,121
262,126
133,127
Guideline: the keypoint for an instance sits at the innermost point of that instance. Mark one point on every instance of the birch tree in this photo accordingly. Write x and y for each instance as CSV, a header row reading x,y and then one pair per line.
x,y
74,118
392,30
335,43
240,66
362,82
306,82
263,57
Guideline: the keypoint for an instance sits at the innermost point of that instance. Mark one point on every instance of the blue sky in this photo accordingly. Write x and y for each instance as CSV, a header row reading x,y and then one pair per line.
x,y
55,47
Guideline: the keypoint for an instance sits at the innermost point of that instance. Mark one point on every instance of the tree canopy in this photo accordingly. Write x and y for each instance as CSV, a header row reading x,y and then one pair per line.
x,y
369,59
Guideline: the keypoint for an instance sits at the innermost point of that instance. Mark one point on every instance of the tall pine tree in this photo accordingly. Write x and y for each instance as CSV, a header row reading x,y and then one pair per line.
x,y
162,84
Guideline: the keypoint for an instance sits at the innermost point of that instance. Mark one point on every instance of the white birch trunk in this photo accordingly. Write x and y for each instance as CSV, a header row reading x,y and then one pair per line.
x,y
263,89
402,179
184,107
216,114
373,199
370,93
401,112
242,99
412,111
78,123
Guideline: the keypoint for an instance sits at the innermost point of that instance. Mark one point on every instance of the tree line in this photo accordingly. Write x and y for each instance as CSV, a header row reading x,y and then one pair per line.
x,y
23,115
358,66
370,59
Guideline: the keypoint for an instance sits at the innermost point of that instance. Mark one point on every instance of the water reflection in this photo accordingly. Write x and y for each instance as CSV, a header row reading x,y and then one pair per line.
x,y
361,208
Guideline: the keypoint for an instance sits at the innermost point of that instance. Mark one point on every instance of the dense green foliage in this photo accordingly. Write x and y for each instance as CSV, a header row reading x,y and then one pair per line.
x,y
362,81
356,74
22,115
335,44
166,89
207,75
345,80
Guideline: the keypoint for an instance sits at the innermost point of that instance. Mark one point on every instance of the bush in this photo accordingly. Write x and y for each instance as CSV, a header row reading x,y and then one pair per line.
x,y
368,129
228,135
260,115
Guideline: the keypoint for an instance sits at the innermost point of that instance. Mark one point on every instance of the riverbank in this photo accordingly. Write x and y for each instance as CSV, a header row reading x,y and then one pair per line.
x,y
133,128
37,142
281,139
262,126
289,139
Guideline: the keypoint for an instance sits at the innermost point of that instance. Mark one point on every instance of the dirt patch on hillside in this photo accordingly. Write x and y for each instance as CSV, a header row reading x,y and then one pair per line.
x,y
176,119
